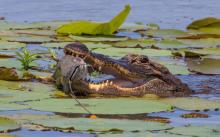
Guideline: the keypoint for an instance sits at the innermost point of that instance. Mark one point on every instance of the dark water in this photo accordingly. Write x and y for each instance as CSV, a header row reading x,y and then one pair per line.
x,y
167,13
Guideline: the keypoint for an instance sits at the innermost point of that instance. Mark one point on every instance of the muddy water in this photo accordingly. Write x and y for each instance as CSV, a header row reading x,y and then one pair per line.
x,y
167,13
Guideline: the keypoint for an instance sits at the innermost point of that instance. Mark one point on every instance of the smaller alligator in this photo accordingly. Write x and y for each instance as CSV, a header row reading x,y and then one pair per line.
x,y
131,75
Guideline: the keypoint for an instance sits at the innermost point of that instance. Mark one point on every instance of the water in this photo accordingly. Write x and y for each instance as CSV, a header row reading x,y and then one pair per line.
x,y
166,13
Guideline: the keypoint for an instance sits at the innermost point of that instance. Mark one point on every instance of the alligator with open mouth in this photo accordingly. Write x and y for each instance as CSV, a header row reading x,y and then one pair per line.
x,y
131,75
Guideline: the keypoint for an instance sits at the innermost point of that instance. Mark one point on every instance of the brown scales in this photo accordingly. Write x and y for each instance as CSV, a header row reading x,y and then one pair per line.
x,y
132,75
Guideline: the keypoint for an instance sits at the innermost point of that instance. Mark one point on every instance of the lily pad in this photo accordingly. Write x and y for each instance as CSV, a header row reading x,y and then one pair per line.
x,y
29,39
191,103
4,106
209,21
208,25
164,33
139,43
86,124
119,52
95,28
133,27
206,65
198,131
98,38
8,135
100,106
140,134
11,45
7,125
202,52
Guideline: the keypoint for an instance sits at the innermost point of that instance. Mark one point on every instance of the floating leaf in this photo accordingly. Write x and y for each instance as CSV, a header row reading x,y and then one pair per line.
x,y
119,52
206,65
86,124
209,21
208,25
198,131
191,103
11,45
4,106
140,134
100,106
7,125
164,33
139,43
98,38
94,28
8,135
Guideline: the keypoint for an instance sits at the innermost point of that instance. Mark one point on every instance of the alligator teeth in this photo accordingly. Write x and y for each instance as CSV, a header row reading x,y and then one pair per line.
x,y
100,68
111,83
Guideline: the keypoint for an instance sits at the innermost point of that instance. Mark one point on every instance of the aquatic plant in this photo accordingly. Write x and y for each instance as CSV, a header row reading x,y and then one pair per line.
x,y
26,58
53,54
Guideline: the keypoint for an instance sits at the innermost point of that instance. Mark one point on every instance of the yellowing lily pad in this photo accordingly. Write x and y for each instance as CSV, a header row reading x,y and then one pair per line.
x,y
7,125
208,25
86,124
95,28
7,135
100,106
191,103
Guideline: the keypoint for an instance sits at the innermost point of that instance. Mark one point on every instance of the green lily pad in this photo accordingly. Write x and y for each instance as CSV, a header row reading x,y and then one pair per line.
x,y
29,39
100,106
177,69
191,103
208,25
140,43
7,125
119,52
12,63
202,52
8,135
5,25
164,33
209,21
55,44
98,38
197,131
206,65
140,134
11,45
4,106
99,124
133,27
36,32
95,28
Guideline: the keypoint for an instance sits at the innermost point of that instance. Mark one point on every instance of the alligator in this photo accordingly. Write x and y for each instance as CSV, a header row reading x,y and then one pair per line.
x,y
131,75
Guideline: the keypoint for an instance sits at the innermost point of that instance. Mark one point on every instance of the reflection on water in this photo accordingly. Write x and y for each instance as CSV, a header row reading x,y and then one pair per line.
x,y
167,13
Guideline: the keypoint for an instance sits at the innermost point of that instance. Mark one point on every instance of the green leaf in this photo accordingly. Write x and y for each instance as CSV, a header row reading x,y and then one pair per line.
x,y
7,125
208,25
100,106
206,65
99,124
197,131
191,103
95,28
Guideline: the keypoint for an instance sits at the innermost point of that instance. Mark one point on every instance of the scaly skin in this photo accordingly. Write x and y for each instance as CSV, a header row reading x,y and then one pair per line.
x,y
132,75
